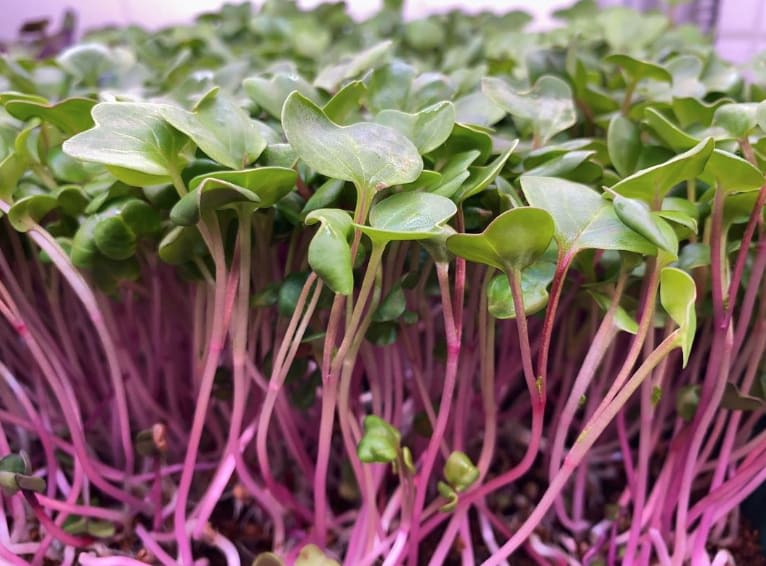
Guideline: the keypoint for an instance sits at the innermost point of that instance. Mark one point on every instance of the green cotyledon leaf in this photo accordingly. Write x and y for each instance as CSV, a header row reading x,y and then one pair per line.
x,y
270,94
329,253
459,471
220,128
678,294
333,75
583,219
29,210
638,69
534,282
636,215
512,241
380,442
732,173
71,115
370,155
260,187
408,216
548,104
624,143
131,137
427,129
653,183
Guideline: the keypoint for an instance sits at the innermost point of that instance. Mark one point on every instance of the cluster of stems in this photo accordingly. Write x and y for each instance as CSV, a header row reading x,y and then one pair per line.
x,y
558,409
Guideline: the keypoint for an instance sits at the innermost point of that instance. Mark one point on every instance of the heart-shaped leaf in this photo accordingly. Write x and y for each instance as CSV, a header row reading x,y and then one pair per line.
x,y
370,155
625,32
331,77
270,94
77,525
211,195
739,207
653,183
427,181
425,34
15,463
582,218
691,110
548,105
71,115
70,170
132,137
737,120
389,86
511,242
220,128
345,103
427,129
91,62
678,294
732,173
260,187
329,253
279,155
686,71
679,220
408,216
637,70
477,108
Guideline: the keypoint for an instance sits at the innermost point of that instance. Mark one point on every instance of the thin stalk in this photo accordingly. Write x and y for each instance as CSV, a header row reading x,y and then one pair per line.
x,y
215,348
84,293
239,325
627,100
599,345
592,431
715,377
450,378
281,364
330,387
562,267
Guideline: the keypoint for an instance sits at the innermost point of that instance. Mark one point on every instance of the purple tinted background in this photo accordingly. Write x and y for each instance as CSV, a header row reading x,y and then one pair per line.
x,y
741,30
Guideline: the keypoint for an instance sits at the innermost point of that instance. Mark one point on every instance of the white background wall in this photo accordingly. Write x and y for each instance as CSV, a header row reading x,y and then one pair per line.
x,y
156,13
742,23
